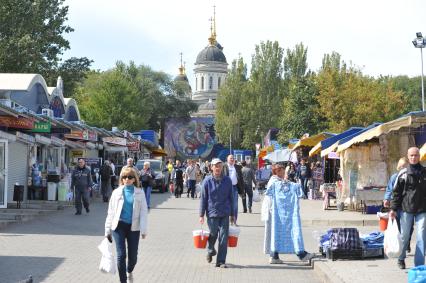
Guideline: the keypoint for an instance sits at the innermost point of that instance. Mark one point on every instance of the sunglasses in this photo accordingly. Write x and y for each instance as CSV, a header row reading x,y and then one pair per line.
x,y
128,177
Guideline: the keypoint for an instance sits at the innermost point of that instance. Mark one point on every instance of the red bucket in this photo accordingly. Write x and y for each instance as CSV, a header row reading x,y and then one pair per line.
x,y
200,238
232,241
234,232
383,223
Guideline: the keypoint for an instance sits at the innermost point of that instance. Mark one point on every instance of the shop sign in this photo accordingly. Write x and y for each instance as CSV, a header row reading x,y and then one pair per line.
x,y
25,137
42,127
134,146
82,135
115,140
43,140
18,123
76,154
57,141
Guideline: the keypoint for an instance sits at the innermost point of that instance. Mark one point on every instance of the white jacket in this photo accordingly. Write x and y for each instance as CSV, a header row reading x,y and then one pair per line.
x,y
140,211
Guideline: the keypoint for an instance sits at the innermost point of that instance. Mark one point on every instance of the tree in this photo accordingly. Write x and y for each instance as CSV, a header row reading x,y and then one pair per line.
x,y
262,101
32,41
229,105
348,98
299,106
130,97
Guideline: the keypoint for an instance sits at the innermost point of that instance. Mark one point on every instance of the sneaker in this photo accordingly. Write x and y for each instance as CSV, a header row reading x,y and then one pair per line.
x,y
87,210
129,277
307,257
401,264
77,213
221,265
275,261
250,210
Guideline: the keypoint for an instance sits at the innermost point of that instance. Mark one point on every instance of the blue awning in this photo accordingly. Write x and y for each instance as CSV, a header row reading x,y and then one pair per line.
x,y
348,138
332,140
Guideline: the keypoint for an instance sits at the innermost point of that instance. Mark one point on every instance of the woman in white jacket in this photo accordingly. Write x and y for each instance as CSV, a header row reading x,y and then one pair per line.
x,y
126,220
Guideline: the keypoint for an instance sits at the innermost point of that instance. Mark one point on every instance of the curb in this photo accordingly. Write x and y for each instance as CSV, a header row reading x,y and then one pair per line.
x,y
339,223
324,272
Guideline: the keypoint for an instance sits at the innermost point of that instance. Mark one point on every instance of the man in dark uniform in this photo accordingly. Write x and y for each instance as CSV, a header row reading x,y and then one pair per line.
x,y
81,182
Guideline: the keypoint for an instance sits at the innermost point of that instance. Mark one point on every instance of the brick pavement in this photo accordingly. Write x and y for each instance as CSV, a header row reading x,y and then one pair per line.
x,y
63,248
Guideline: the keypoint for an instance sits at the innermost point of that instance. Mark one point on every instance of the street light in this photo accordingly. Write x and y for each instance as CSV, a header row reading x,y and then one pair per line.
x,y
420,42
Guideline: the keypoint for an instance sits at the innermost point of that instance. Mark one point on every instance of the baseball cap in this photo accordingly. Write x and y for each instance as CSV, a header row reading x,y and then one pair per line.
x,y
215,161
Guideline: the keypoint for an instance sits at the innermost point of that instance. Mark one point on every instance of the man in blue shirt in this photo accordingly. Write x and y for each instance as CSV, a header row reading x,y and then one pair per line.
x,y
217,204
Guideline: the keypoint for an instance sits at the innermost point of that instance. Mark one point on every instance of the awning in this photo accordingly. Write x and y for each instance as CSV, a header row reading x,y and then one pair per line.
x,y
312,141
115,148
328,145
282,155
410,120
159,152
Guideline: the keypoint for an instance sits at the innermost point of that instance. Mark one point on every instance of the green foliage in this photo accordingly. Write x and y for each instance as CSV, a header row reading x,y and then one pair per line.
x,y
229,105
262,102
299,114
130,97
348,98
31,41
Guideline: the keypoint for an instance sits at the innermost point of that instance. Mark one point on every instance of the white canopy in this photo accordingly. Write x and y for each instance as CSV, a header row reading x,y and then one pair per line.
x,y
281,155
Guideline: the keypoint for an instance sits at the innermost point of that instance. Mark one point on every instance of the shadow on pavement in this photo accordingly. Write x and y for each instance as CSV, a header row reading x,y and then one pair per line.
x,y
38,267
275,266
66,223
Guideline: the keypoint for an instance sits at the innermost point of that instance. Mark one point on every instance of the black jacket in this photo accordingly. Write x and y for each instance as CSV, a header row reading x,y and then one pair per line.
x,y
409,193
240,181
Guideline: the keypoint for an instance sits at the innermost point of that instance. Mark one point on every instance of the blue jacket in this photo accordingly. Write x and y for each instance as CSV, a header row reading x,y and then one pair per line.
x,y
216,200
389,188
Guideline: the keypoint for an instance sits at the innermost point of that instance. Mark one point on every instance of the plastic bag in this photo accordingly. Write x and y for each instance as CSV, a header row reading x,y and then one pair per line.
x,y
256,196
107,263
393,241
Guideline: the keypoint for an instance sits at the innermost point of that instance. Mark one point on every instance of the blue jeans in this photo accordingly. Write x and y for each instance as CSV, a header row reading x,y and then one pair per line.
x,y
79,195
235,202
147,192
191,187
407,220
120,234
304,185
219,228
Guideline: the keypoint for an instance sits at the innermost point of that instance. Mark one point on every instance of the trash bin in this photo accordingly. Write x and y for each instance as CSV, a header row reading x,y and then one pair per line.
x,y
18,194
62,191
51,190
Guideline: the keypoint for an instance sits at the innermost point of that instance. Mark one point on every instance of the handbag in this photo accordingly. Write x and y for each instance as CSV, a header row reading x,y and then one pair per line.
x,y
393,240
107,264
256,195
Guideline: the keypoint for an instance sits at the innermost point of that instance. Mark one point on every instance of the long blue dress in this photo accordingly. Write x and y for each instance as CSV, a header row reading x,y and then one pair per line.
x,y
286,228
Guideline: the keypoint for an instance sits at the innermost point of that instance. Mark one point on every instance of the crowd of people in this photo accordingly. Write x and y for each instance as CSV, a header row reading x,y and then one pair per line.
x,y
220,184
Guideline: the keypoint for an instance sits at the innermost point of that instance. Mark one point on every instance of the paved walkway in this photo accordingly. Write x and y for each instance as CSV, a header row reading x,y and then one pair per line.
x,y
63,248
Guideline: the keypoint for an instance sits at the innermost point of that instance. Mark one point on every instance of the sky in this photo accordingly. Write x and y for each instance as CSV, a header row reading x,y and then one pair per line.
x,y
375,35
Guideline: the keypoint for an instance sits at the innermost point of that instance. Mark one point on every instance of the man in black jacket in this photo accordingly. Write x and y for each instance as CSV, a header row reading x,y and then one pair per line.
x,y
409,196
81,180
234,172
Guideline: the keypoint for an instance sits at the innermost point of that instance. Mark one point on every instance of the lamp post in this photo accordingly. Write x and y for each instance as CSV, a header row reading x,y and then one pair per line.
x,y
420,42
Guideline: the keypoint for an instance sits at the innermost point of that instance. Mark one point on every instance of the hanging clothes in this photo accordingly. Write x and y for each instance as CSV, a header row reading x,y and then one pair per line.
x,y
285,224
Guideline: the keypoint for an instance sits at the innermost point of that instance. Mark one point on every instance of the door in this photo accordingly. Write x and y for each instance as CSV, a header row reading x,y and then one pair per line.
x,y
3,174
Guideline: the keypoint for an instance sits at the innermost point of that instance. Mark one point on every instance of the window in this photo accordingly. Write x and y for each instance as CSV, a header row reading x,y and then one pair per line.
x,y
210,82
196,83
218,82
202,83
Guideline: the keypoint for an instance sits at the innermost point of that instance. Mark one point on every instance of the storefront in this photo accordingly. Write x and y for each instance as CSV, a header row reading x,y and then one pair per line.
x,y
5,139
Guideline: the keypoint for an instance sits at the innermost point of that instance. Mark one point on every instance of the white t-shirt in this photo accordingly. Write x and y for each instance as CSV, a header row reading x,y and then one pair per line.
x,y
191,172
233,174
113,168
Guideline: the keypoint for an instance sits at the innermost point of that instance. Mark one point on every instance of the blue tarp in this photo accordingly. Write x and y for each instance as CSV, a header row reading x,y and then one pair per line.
x,y
332,140
348,138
